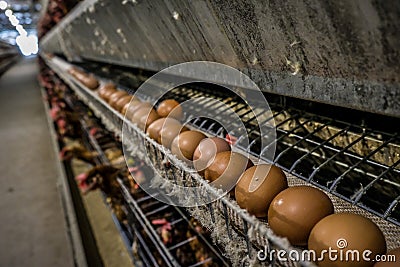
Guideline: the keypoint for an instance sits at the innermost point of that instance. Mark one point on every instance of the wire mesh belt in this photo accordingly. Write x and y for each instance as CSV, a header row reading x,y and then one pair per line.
x,y
146,209
320,151
356,164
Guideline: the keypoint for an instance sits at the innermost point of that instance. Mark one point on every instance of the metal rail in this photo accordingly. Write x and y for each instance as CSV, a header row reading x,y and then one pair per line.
x,y
139,213
113,121
304,143
308,142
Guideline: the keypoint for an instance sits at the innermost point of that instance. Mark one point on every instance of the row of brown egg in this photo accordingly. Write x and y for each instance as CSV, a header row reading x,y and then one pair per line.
x,y
303,214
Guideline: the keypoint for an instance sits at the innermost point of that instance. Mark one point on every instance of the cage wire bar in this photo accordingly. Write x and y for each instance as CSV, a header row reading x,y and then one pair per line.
x,y
304,141
113,121
191,94
162,249
102,159
91,143
185,93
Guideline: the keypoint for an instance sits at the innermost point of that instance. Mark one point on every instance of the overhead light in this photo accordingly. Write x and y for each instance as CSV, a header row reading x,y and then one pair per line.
x,y
8,12
20,30
3,5
14,21
27,44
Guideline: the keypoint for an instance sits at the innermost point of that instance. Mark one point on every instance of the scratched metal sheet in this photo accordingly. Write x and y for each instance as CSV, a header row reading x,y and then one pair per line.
x,y
346,51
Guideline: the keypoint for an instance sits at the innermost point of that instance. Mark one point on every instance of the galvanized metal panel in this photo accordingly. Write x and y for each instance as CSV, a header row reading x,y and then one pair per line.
x,y
343,53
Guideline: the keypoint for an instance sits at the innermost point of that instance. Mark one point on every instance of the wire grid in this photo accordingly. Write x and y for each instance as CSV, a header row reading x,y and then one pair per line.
x,y
236,218
255,235
348,161
239,225
144,212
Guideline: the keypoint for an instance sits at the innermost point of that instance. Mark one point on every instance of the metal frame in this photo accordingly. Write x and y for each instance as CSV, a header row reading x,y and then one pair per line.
x,y
236,219
75,239
145,35
135,207
234,222
310,137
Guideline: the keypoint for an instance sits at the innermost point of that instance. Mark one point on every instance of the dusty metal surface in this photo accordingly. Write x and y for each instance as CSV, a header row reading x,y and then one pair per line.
x,y
344,52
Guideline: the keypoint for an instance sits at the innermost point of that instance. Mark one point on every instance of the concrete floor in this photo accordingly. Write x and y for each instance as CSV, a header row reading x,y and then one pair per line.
x,y
32,226
109,242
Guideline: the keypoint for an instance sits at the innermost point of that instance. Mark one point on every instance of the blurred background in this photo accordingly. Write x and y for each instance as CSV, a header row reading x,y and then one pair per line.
x,y
18,26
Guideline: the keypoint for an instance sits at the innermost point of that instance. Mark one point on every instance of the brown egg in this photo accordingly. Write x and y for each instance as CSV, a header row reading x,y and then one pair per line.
x,y
171,108
72,70
144,116
392,259
77,73
184,145
145,121
108,94
86,79
141,111
258,186
90,81
106,87
154,129
226,168
206,151
119,105
169,132
347,231
130,108
106,91
116,96
295,211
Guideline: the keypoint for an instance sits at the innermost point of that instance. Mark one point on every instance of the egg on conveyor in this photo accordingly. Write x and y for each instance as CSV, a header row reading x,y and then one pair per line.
x,y
169,132
206,152
347,232
296,210
147,119
184,145
170,108
90,81
106,90
143,117
120,103
129,108
133,107
258,186
116,96
225,170
86,79
154,128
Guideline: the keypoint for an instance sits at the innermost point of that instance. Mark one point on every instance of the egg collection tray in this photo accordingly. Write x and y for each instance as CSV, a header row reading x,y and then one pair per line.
x,y
240,234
